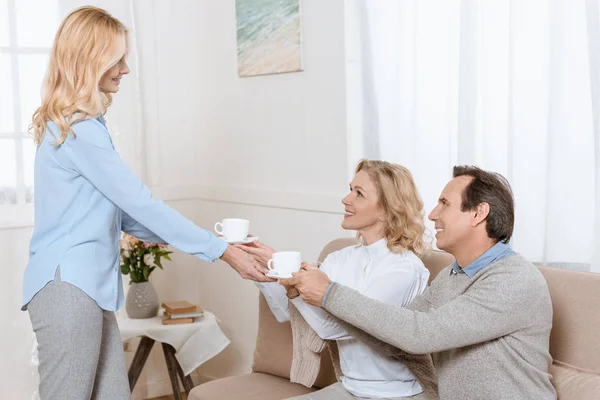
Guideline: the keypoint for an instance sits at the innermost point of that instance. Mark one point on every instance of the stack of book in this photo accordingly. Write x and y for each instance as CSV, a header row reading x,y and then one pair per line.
x,y
180,312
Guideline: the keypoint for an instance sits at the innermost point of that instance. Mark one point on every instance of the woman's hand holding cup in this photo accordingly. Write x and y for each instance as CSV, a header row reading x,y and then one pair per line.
x,y
260,251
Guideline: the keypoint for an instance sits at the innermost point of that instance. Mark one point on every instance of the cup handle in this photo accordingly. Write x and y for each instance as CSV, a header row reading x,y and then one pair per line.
x,y
220,232
270,265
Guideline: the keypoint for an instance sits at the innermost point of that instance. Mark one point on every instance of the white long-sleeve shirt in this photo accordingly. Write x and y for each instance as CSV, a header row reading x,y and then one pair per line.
x,y
376,272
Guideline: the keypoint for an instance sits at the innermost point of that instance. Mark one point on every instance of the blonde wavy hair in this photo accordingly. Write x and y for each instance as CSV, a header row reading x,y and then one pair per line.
x,y
404,225
87,44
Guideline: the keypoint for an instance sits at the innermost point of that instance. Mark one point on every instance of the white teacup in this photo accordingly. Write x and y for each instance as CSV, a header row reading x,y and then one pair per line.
x,y
233,229
283,263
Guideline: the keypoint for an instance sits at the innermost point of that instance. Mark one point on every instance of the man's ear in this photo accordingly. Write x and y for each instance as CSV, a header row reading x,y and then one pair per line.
x,y
481,213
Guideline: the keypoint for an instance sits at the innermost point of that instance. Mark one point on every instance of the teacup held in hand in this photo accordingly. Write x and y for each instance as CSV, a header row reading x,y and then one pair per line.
x,y
233,229
284,263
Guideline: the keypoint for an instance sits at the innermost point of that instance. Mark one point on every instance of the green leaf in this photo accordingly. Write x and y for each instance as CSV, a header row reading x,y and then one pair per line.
x,y
125,269
135,276
146,272
167,256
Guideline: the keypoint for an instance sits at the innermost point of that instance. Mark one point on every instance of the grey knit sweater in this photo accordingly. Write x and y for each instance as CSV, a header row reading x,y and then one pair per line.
x,y
307,348
489,335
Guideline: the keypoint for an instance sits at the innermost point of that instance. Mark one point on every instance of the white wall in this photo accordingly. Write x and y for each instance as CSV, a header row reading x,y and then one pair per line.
x,y
271,132
272,149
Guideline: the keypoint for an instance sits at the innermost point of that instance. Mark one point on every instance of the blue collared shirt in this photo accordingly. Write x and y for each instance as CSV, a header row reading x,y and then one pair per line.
x,y
495,253
85,195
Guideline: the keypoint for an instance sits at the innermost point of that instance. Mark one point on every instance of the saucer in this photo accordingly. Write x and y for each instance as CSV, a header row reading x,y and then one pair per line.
x,y
275,274
246,240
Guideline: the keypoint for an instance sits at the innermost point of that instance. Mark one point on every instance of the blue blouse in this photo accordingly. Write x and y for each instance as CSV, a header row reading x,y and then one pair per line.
x,y
85,195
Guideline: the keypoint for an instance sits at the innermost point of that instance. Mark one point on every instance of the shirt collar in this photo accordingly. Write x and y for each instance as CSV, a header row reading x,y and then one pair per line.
x,y
376,249
102,120
495,253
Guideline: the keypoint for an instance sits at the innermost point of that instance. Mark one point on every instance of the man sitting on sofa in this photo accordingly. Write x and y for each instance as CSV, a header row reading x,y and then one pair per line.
x,y
486,319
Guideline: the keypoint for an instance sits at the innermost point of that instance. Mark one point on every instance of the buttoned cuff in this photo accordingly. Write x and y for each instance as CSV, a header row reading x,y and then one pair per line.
x,y
217,247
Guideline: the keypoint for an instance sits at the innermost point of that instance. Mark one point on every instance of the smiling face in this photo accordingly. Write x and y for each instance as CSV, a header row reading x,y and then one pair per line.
x,y
109,83
363,213
454,227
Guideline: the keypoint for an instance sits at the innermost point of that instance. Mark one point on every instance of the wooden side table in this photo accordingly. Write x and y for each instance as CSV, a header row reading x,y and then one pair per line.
x,y
175,371
185,346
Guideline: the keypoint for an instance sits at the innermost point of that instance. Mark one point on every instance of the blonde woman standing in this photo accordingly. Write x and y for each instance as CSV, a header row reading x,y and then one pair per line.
x,y
85,196
385,209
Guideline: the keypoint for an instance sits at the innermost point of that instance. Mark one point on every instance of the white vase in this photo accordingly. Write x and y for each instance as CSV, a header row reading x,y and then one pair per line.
x,y
142,301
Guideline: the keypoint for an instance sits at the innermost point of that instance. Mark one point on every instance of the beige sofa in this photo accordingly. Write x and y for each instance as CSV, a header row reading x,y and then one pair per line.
x,y
574,343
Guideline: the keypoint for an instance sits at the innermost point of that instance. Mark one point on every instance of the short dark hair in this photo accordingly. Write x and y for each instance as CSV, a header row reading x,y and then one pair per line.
x,y
494,189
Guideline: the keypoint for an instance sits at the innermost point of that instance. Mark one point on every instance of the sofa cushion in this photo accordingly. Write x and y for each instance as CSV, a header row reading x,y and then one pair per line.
x,y
253,386
575,326
574,383
435,261
273,353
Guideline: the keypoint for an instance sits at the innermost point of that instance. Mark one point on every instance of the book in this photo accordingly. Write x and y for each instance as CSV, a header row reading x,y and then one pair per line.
x,y
184,315
177,321
179,307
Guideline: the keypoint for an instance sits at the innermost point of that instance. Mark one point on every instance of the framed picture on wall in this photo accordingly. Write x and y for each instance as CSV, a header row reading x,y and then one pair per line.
x,y
269,37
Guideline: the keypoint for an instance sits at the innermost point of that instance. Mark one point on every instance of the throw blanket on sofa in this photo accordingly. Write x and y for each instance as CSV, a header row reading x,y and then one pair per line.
x,y
307,348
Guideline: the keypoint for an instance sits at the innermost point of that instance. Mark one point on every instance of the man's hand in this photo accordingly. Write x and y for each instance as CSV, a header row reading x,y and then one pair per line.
x,y
310,282
260,251
245,265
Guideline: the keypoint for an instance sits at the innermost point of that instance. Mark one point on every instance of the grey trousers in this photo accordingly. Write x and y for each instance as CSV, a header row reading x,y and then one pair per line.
x,y
80,349
338,392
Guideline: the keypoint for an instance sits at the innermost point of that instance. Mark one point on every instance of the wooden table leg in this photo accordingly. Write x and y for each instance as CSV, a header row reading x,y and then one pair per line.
x,y
141,355
187,382
172,368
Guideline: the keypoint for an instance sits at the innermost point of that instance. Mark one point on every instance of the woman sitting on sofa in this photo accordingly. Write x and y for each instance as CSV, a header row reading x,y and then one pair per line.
x,y
385,209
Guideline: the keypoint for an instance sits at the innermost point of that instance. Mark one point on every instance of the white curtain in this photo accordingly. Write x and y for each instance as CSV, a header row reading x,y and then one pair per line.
x,y
512,86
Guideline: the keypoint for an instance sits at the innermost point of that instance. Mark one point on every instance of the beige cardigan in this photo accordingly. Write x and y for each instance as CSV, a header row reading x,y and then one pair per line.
x,y
307,348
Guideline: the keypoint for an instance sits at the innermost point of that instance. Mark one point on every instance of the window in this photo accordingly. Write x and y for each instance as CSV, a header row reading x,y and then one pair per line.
x,y
27,29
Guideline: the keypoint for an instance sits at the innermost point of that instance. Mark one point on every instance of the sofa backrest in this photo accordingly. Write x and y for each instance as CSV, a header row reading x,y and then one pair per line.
x,y
575,336
273,353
